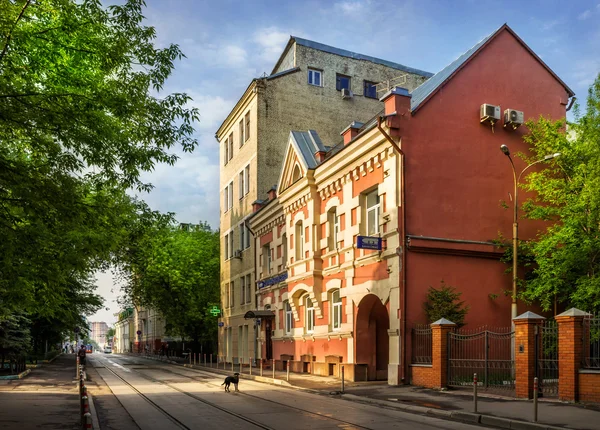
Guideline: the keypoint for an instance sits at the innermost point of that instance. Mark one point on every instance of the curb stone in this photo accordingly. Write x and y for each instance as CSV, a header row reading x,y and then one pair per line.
x,y
19,376
465,416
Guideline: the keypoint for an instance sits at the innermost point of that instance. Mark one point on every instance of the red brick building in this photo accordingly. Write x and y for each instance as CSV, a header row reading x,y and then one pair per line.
x,y
426,176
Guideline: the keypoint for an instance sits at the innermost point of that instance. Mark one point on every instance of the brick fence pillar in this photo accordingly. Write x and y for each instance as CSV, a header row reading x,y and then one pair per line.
x,y
570,352
439,353
524,350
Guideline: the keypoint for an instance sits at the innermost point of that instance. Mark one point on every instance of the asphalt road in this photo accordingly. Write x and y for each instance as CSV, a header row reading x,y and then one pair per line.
x,y
165,396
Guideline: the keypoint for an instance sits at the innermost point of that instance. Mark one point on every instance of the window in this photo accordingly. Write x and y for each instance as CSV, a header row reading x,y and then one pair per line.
x,y
231,146
241,131
310,315
227,295
370,90
342,82
247,130
297,174
230,197
270,259
242,290
241,184
284,246
266,259
226,151
247,179
226,255
373,212
288,317
232,294
336,310
244,236
226,199
299,241
249,288
315,77
231,244
334,229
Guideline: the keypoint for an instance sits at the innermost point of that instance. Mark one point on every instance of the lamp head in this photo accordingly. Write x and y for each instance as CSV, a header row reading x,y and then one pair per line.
x,y
551,156
505,150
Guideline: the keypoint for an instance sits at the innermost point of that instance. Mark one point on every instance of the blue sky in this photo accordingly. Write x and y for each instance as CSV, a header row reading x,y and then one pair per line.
x,y
227,43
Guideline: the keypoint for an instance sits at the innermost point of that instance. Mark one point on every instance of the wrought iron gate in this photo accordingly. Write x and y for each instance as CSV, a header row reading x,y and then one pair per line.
x,y
487,353
546,357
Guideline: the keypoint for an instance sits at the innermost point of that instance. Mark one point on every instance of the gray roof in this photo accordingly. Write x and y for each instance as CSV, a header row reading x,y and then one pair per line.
x,y
350,54
423,91
307,144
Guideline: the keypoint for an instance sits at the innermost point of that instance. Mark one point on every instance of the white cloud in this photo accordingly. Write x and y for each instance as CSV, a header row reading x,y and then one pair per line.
x,y
355,8
585,71
271,43
215,56
213,110
585,15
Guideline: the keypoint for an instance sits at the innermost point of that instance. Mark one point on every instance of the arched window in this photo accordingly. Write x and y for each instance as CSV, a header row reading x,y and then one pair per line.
x,y
309,322
336,310
297,174
288,317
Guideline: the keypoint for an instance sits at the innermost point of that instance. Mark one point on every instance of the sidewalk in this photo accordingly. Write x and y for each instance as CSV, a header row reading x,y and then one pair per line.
x,y
46,398
494,411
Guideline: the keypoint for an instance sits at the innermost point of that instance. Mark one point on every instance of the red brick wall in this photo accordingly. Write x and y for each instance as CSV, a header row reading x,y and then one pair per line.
x,y
422,376
589,387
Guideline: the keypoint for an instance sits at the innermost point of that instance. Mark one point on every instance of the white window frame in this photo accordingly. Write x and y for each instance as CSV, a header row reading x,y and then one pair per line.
x,y
241,131
226,154
226,199
270,260
247,179
230,197
231,244
311,77
287,309
376,209
336,310
226,254
309,313
230,141
334,229
241,186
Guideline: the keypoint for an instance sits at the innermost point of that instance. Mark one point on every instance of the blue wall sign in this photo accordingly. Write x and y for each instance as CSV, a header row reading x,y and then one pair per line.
x,y
272,281
368,242
221,323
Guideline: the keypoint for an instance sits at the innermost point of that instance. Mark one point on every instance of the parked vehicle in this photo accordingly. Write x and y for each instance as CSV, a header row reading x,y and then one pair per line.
x,y
107,350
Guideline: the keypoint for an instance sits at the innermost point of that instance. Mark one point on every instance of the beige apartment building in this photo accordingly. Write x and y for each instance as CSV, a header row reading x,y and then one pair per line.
x,y
312,86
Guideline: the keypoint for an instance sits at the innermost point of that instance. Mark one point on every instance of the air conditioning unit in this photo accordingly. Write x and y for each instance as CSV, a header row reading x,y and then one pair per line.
x,y
346,94
237,254
489,113
513,118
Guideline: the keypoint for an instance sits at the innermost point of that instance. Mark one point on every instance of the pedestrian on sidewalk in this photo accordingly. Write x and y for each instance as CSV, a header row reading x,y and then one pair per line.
x,y
82,355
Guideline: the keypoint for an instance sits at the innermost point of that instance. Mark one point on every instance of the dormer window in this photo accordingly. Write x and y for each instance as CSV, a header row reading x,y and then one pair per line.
x,y
297,175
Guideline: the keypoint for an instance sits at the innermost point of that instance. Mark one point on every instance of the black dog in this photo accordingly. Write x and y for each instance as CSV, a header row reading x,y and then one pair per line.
x,y
235,379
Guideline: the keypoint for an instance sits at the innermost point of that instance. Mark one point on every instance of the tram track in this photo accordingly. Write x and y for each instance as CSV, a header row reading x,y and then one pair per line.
x,y
198,380
169,415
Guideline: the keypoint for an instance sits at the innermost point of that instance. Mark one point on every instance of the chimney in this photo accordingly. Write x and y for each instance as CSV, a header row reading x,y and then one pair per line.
x,y
272,193
351,131
257,205
320,156
397,101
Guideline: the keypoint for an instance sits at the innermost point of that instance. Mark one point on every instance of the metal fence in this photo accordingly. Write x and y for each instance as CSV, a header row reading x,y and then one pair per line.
x,y
421,344
591,342
487,352
546,357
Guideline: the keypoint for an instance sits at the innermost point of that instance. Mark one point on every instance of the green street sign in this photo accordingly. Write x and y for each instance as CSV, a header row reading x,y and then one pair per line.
x,y
215,311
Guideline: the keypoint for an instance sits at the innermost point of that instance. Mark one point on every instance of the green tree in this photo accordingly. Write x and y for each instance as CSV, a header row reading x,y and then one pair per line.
x,y
82,115
444,302
566,256
177,273
110,333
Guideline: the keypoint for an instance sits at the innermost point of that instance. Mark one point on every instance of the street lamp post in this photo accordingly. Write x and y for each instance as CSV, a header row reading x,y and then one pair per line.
x,y
515,238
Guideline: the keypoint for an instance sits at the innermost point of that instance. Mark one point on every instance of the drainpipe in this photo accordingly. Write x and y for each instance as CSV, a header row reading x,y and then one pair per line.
x,y
255,295
402,242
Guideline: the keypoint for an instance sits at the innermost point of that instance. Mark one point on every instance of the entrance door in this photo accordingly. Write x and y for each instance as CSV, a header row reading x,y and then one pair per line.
x,y
372,339
269,342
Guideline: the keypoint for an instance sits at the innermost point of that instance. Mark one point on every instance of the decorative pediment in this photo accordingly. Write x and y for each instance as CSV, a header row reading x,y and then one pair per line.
x,y
300,157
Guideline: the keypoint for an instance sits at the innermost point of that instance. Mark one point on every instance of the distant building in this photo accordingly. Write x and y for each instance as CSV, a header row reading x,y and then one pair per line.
x,y
98,334
311,86
124,331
